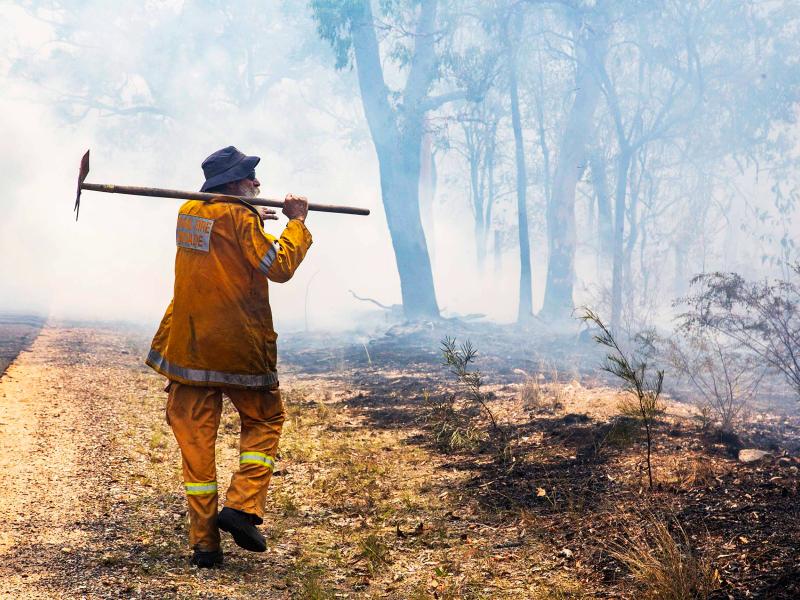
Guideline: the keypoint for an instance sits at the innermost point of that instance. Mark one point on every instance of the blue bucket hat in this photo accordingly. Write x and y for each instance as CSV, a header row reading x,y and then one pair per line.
x,y
228,164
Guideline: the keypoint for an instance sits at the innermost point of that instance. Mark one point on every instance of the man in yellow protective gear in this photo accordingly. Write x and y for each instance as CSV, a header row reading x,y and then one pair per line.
x,y
217,338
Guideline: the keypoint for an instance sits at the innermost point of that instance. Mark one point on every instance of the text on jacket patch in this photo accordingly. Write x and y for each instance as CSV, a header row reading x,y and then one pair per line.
x,y
193,232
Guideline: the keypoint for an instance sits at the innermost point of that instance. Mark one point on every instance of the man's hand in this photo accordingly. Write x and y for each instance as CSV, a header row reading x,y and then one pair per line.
x,y
295,207
267,214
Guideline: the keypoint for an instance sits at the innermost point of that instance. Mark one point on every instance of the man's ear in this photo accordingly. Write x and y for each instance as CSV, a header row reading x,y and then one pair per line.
x,y
231,188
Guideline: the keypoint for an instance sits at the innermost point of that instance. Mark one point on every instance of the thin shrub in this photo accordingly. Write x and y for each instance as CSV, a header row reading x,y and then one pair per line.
x,y
762,316
725,377
643,385
461,419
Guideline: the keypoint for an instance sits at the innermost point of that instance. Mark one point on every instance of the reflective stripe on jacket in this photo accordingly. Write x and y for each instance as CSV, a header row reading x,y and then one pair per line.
x,y
218,328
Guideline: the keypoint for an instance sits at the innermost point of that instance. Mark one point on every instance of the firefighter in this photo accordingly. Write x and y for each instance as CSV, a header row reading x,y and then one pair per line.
x,y
217,338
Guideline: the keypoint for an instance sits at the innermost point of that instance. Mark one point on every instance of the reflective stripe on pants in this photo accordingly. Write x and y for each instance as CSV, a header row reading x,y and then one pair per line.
x,y
256,458
200,488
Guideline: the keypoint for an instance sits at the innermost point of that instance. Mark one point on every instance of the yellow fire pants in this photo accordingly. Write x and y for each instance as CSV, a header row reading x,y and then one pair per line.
x,y
194,412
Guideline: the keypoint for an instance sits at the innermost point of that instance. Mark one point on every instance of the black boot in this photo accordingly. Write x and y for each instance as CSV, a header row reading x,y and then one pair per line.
x,y
206,559
241,526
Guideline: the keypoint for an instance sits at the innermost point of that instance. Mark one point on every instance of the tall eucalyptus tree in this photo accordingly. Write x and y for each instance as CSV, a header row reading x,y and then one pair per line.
x,y
412,36
588,36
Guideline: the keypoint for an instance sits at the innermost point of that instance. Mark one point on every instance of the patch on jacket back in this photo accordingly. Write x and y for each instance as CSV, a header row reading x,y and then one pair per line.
x,y
193,232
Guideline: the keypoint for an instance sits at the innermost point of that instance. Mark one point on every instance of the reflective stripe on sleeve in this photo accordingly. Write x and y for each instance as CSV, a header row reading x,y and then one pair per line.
x,y
200,488
269,258
256,458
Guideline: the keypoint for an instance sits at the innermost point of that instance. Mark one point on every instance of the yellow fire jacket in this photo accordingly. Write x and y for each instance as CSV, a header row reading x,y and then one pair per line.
x,y
218,328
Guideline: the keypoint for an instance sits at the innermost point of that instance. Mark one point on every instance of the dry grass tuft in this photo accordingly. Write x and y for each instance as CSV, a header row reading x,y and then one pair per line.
x,y
560,591
452,427
664,566
537,395
375,551
308,582
623,433
689,473
531,393
448,585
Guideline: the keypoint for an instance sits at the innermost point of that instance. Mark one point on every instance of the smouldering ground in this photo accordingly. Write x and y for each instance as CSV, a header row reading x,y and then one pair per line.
x,y
363,503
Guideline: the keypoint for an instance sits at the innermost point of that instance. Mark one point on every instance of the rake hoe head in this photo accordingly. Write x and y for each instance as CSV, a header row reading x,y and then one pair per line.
x,y
84,171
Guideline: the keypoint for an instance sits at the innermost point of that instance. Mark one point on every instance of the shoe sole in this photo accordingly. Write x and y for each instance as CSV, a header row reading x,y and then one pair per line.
x,y
202,565
242,539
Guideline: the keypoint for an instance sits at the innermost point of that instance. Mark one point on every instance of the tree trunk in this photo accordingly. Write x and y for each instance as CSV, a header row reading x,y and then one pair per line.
x,y
480,243
489,200
399,168
476,193
490,192
398,140
498,254
525,310
605,227
427,192
632,203
623,167
680,282
561,237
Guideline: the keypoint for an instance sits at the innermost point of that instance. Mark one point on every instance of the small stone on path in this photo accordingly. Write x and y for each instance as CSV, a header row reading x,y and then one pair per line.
x,y
749,455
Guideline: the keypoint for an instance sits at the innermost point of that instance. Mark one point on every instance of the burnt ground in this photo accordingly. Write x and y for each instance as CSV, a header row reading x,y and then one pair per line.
x,y
16,333
368,502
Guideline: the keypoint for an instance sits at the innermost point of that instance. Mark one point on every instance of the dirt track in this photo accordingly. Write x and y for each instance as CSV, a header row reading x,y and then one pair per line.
x,y
55,465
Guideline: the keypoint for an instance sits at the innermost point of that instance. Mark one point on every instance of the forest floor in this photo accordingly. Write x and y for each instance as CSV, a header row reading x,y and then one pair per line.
x,y
365,503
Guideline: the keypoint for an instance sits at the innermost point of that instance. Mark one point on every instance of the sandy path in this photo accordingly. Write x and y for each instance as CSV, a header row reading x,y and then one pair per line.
x,y
91,502
55,430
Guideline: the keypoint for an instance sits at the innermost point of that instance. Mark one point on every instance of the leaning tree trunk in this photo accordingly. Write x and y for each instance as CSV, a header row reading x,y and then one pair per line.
x,y
399,168
561,237
398,140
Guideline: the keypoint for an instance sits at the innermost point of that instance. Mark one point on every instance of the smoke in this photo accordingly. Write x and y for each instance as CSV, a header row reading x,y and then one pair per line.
x,y
116,262
188,84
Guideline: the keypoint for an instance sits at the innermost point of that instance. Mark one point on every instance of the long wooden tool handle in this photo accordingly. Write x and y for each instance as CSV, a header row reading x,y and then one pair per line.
x,y
181,195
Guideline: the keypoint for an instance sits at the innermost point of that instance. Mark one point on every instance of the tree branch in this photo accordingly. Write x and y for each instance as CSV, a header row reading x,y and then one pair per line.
x,y
434,102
